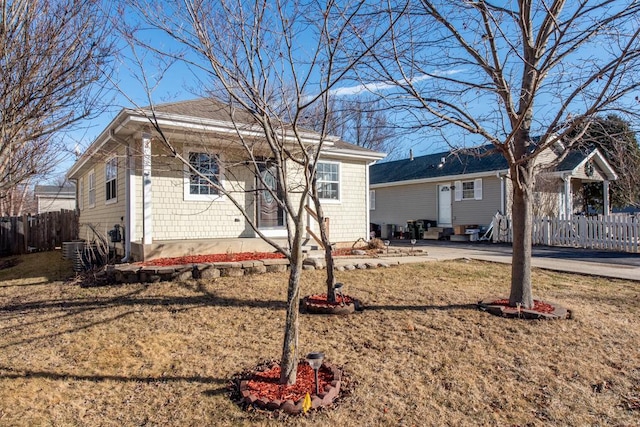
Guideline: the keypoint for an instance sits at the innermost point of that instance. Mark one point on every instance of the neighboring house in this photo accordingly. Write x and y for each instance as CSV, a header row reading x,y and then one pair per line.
x,y
127,177
50,198
467,187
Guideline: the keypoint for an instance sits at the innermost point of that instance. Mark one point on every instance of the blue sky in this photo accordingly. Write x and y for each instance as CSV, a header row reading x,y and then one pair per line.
x,y
180,83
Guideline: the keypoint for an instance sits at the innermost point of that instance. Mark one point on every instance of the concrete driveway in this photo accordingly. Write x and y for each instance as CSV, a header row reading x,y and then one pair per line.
x,y
571,260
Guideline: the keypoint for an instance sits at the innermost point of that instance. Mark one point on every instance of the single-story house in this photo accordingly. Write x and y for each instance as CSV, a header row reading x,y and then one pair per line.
x,y
51,198
459,188
128,181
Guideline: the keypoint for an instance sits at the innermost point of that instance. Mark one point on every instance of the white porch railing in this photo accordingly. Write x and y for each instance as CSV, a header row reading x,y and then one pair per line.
x,y
614,232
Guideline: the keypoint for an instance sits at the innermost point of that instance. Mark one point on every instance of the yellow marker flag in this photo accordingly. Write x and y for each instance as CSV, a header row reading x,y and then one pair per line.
x,y
306,403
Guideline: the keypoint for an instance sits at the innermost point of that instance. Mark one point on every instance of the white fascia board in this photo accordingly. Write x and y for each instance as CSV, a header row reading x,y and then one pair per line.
x,y
219,126
97,144
353,154
464,177
602,162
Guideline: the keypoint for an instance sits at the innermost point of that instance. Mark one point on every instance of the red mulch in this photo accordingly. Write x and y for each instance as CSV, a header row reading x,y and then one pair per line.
x,y
539,306
266,384
321,299
242,256
197,259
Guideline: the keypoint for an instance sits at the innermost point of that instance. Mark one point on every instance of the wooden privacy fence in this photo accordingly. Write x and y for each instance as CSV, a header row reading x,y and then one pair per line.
x,y
614,232
42,232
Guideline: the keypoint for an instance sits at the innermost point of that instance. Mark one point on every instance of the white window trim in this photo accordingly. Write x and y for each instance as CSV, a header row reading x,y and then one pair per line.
x,y
372,200
113,199
188,197
477,190
91,186
339,199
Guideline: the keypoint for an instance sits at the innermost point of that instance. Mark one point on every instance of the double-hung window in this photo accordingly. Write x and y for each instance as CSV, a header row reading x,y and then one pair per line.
x,y
203,176
468,190
328,180
111,179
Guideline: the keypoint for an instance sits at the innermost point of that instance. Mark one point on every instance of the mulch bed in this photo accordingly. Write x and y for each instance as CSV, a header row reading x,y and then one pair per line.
x,y
318,304
197,259
233,257
261,388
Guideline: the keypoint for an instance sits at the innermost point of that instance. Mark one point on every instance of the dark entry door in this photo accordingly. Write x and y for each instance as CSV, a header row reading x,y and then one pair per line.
x,y
270,215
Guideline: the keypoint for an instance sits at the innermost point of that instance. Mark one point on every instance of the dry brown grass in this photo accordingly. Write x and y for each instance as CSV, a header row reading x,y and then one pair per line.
x,y
421,354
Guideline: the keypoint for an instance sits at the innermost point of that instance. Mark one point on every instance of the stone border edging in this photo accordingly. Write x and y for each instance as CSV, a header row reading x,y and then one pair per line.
x,y
323,398
132,273
311,308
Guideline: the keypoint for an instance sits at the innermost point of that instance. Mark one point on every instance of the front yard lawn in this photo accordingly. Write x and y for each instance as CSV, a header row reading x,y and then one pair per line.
x,y
420,354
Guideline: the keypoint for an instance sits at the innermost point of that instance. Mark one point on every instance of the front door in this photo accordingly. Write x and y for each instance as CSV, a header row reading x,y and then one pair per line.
x,y
270,215
444,205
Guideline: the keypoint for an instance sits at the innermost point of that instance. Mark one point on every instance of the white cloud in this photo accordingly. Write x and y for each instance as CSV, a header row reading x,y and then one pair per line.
x,y
382,86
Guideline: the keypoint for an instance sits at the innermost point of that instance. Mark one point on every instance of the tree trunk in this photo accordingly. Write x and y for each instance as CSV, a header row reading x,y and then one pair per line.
x,y
328,255
331,280
521,289
289,359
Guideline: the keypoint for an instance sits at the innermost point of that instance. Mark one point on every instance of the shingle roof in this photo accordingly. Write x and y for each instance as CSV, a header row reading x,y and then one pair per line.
x,y
573,159
456,162
212,109
204,108
54,190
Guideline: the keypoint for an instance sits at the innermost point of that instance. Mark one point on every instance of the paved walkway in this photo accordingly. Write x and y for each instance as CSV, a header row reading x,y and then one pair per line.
x,y
614,265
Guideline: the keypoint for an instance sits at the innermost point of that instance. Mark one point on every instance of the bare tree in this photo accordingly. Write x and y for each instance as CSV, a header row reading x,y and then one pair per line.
x,y
52,55
268,63
506,72
364,121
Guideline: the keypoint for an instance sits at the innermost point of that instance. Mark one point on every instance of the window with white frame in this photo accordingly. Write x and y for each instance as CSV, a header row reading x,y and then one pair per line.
x,y
468,190
91,188
204,177
328,180
372,200
111,179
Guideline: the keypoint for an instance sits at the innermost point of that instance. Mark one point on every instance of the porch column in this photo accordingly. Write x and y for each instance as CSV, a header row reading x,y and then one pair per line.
x,y
568,197
147,218
606,208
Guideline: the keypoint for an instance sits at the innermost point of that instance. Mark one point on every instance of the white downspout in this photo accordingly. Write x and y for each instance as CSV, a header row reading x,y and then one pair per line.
x,y
147,212
129,207
568,200
606,208
503,183
367,201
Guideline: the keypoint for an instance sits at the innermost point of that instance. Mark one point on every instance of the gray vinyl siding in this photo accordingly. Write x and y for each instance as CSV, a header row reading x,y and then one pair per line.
x,y
479,212
397,205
